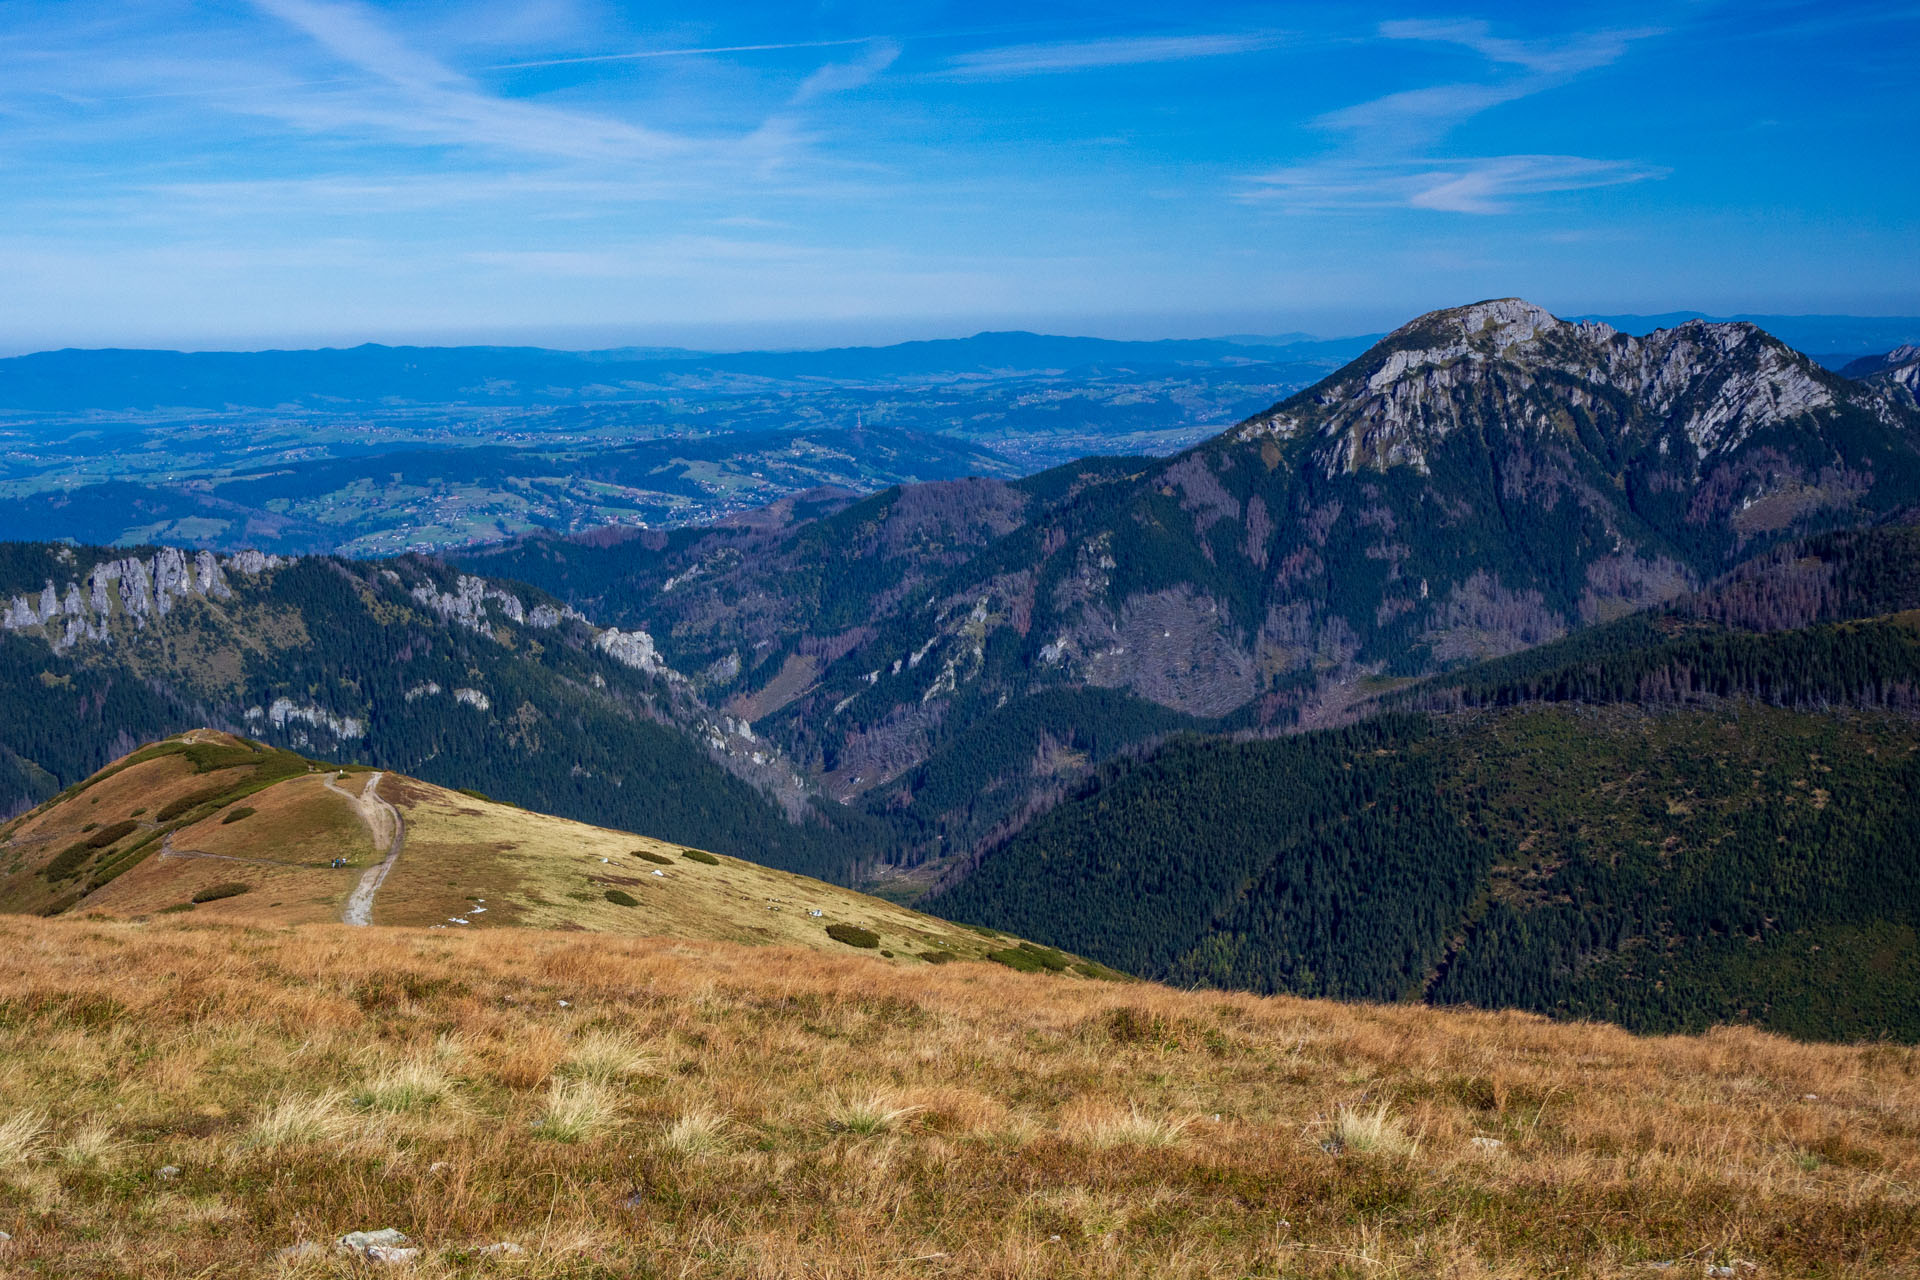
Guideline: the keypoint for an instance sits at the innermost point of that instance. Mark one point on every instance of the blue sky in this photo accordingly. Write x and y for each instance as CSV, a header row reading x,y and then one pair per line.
x,y
579,173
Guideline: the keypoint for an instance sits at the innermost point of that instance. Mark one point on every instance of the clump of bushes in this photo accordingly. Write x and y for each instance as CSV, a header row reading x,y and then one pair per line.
x,y
174,808
853,935
662,859
938,957
1128,1025
234,815
477,795
1028,958
701,856
226,889
621,898
107,835
67,862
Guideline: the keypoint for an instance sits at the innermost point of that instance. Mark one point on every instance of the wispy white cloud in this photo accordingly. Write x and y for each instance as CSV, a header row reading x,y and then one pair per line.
x,y
1492,185
642,55
410,96
1084,55
841,77
1568,55
1390,155
1484,185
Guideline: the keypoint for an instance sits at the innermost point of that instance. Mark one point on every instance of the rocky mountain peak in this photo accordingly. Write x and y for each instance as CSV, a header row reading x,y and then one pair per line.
x,y
1511,365
1491,327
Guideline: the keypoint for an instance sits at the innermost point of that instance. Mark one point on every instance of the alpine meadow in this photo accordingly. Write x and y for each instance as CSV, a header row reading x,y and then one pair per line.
x,y
874,643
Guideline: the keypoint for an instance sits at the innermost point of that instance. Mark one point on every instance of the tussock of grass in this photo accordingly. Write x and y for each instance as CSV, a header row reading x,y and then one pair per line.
x,y
22,1137
296,1121
868,1114
577,1110
90,1145
417,1085
1373,1128
699,1132
606,1057
1129,1128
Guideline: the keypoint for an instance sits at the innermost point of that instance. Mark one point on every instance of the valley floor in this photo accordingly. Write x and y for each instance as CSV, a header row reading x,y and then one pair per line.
x,y
185,1097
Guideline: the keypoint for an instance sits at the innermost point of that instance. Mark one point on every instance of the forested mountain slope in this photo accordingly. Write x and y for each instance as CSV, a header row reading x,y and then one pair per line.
x,y
1483,480
1677,819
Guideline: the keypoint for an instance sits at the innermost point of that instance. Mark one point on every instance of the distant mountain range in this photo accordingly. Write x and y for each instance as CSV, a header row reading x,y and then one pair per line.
x,y
103,380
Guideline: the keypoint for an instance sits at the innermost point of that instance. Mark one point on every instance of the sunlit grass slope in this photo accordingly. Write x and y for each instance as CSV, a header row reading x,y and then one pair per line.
x,y
617,1106
227,829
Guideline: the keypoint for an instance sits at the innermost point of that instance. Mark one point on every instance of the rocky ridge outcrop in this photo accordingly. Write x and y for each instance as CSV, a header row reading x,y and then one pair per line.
x,y
141,590
1711,385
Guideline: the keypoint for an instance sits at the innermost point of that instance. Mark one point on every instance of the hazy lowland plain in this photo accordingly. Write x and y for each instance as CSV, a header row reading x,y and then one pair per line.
x,y
375,451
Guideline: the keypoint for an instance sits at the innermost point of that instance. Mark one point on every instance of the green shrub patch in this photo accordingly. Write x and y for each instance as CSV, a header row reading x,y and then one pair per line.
x,y
853,935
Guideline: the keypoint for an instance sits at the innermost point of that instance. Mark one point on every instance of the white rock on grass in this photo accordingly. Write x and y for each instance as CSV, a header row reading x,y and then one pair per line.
x,y
384,1245
390,1254
505,1247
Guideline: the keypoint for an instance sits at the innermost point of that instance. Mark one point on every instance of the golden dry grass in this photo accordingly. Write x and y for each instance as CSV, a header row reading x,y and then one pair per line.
x,y
468,865
760,1112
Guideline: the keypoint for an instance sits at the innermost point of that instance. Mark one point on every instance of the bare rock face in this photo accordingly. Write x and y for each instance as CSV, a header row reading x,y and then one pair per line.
x,y
632,649
1897,373
140,591
468,603
1175,647
1512,363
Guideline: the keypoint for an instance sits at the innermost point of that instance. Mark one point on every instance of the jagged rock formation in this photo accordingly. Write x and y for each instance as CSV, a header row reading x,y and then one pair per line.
x,y
1714,384
140,590
1897,372
468,603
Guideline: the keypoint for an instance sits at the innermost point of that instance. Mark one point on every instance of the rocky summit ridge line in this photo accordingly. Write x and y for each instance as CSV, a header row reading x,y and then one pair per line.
x,y
1717,383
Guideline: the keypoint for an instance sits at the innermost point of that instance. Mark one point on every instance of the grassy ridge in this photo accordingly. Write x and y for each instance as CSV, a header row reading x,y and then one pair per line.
x,y
622,1107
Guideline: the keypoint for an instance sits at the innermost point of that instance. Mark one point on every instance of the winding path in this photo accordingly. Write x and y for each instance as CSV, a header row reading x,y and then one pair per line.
x,y
384,821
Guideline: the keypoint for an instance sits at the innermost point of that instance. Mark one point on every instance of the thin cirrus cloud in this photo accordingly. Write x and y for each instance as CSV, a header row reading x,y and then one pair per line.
x,y
1486,185
1390,161
410,96
1010,61
841,77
